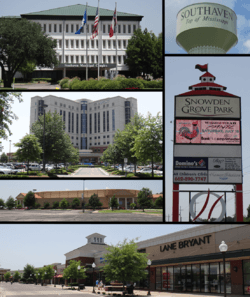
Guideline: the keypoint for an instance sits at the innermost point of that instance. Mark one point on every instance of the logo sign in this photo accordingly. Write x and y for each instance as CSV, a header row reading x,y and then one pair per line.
x,y
207,106
206,15
90,65
224,164
218,199
207,132
190,176
226,177
190,163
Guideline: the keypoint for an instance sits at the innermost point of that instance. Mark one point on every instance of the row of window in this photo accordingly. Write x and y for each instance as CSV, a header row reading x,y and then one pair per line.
x,y
92,59
98,137
72,28
103,106
93,44
99,143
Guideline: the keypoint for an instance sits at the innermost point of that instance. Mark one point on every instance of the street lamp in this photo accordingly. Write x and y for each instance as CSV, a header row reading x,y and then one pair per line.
x,y
223,248
149,263
44,105
79,267
93,266
55,279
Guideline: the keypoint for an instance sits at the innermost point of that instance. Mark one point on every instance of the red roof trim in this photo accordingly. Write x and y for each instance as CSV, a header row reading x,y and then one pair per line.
x,y
207,74
208,84
208,92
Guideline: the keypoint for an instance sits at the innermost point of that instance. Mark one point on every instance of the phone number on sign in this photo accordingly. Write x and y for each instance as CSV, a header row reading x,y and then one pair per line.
x,y
190,179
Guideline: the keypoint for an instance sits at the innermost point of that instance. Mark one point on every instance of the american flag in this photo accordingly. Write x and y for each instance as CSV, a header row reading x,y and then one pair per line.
x,y
95,29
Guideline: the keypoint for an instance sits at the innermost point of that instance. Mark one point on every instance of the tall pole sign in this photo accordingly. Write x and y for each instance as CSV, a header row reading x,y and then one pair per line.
x,y
207,140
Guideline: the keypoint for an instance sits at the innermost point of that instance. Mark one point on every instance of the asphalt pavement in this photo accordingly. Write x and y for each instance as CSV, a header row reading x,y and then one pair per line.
x,y
72,215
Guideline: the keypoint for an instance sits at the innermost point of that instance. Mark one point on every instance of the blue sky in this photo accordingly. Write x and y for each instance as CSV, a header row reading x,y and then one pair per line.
x,y
231,72
151,10
15,187
40,244
21,126
241,8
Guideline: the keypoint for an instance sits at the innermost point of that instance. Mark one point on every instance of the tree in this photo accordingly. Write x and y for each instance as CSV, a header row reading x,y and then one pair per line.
x,y
27,271
58,146
29,200
148,144
2,203
22,41
6,114
143,53
26,68
64,203
49,272
113,202
16,276
94,201
29,149
7,276
72,272
10,203
248,211
159,202
4,158
144,198
75,203
124,263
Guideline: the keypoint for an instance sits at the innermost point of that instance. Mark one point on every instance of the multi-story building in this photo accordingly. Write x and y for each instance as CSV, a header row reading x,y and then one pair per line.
x,y
62,23
90,124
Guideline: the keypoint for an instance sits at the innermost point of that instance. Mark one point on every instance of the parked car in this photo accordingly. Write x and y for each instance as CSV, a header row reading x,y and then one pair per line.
x,y
5,170
35,167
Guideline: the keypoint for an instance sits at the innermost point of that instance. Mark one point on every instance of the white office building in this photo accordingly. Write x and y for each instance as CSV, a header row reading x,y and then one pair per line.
x,y
62,23
90,124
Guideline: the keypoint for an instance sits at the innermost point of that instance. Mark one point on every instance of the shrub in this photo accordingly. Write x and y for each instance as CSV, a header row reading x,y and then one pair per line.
x,y
130,175
75,203
19,206
37,205
159,202
153,84
132,205
55,204
46,205
120,77
64,204
130,83
63,81
111,85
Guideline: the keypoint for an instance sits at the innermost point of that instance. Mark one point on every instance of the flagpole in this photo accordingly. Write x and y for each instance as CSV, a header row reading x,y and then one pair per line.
x,y
86,41
98,39
116,37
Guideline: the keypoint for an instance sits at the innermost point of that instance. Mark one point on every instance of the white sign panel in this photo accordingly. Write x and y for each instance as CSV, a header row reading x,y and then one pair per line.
x,y
193,150
206,15
225,177
224,164
190,176
207,106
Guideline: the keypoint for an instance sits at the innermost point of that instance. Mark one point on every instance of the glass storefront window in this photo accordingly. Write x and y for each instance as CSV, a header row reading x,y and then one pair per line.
x,y
177,279
204,278
158,278
246,271
196,277
189,278
170,276
164,279
228,277
183,278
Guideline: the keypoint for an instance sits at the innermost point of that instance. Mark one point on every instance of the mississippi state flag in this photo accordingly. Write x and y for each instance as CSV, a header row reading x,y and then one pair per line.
x,y
113,25
95,28
202,68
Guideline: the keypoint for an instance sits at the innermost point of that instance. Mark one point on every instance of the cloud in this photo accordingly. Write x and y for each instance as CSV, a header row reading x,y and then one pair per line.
x,y
172,7
243,32
107,188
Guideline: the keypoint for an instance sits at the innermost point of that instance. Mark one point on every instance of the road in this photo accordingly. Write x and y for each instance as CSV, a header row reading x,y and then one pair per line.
x,y
89,172
46,215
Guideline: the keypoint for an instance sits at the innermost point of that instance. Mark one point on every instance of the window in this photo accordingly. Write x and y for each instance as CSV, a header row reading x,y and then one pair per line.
x,y
67,28
60,59
129,28
60,43
82,43
104,28
114,44
104,43
49,27
82,59
55,27
72,43
96,43
119,28
92,59
100,239
77,59
134,28
119,44
99,123
109,59
95,122
87,28
109,44
66,59
72,28
108,28
77,43
67,43
108,142
96,58
92,43
103,59
114,59
94,239
72,59
124,43
124,28
107,121
44,27
124,59
90,124
92,27
107,136
77,124
69,122
60,28
119,59
77,27
72,122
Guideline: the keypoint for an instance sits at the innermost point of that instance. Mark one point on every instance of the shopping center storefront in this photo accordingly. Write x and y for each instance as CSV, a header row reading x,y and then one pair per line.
x,y
190,260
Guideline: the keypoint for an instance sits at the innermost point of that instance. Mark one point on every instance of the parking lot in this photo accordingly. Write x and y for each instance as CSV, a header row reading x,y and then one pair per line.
x,y
45,215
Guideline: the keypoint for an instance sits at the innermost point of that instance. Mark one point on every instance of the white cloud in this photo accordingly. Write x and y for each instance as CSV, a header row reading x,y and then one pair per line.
x,y
107,188
247,45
